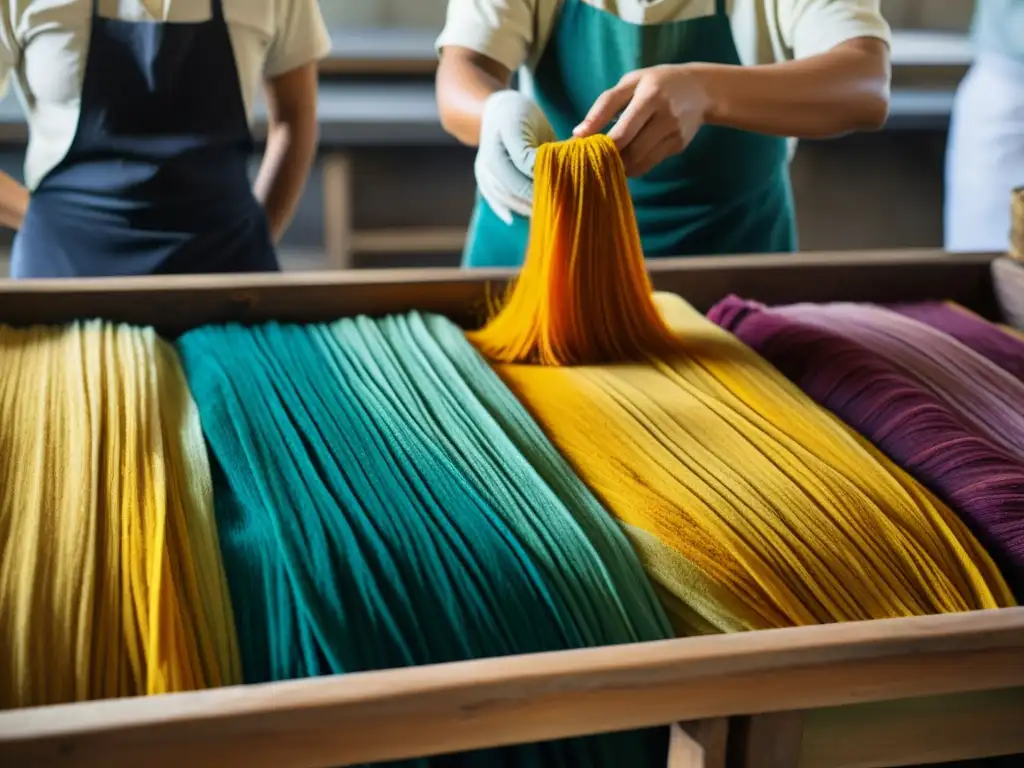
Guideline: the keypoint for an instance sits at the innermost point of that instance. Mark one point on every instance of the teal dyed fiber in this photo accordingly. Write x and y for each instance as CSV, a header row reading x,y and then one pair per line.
x,y
367,522
510,428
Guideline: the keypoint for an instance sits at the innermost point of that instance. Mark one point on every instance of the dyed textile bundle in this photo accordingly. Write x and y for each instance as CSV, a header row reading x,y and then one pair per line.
x,y
987,399
984,482
111,582
719,466
1000,345
374,515
581,212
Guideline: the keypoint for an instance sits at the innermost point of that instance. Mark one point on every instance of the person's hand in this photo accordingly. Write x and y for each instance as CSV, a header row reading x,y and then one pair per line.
x,y
662,108
511,129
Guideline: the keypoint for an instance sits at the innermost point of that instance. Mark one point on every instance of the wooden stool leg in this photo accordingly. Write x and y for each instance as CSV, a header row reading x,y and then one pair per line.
x,y
767,741
337,193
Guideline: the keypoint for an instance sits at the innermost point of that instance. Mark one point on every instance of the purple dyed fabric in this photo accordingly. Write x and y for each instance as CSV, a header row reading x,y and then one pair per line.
x,y
982,395
974,475
1003,349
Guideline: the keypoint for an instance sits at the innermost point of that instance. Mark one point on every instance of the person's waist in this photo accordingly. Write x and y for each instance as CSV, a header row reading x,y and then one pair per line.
x,y
1007,66
178,210
146,192
659,190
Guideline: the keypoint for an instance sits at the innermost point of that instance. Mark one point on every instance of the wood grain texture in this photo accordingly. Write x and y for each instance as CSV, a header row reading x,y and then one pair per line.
x,y
438,709
177,303
771,740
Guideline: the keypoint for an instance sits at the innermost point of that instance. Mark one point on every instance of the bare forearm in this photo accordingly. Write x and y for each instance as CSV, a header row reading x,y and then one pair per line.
x,y
464,81
13,202
844,90
284,172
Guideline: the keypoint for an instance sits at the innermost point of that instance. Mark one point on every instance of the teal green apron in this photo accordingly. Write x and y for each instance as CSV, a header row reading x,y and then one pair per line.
x,y
728,192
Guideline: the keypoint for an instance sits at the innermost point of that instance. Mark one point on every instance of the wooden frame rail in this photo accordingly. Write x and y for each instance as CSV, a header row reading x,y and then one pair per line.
x,y
861,695
177,303
373,716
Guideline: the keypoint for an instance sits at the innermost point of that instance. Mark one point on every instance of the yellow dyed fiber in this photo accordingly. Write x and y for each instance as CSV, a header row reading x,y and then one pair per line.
x,y
750,506
111,582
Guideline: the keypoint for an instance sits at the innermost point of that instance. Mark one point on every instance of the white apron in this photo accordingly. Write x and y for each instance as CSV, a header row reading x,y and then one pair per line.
x,y
985,158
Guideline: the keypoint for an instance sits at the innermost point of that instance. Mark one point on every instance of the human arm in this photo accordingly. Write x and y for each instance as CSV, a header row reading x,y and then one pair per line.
x,y
13,202
14,196
292,137
831,78
465,80
507,127
482,44
291,86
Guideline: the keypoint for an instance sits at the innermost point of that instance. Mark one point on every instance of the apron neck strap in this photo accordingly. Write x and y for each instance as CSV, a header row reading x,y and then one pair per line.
x,y
216,9
720,8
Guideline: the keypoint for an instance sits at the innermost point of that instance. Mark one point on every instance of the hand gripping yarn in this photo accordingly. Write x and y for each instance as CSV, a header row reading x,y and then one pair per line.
x,y
111,582
978,478
563,311
374,514
713,461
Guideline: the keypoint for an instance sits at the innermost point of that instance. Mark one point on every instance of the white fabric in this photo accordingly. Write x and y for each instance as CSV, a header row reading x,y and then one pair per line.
x,y
43,44
512,128
515,32
985,156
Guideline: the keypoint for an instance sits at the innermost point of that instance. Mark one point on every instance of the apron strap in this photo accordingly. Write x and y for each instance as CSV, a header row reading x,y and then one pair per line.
x,y
720,8
216,10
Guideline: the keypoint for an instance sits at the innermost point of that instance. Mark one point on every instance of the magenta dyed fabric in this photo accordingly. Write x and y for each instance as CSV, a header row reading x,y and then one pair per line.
x,y
886,403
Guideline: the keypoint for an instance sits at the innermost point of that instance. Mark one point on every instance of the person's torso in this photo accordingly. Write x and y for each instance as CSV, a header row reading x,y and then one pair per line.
x,y
52,40
154,180
752,27
998,27
728,192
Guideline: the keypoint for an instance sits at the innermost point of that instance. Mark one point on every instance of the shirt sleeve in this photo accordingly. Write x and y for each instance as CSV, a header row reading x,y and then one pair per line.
x,y
812,27
502,30
300,37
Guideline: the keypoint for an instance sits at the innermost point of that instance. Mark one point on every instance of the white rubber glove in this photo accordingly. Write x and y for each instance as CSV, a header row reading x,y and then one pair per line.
x,y
512,128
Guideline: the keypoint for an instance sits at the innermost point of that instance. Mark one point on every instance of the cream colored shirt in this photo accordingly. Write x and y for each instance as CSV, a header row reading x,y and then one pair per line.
x,y
43,47
515,32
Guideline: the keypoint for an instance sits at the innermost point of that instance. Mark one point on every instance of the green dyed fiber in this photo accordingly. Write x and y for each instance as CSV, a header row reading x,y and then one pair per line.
x,y
373,515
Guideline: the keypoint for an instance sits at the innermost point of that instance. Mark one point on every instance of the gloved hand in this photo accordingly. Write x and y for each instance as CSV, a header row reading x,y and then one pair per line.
x,y
512,128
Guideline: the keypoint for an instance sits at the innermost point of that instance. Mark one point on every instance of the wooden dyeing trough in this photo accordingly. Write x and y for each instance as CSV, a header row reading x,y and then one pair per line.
x,y
859,695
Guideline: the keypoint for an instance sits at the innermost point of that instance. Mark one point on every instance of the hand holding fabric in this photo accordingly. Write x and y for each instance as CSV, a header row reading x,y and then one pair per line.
x,y
661,107
512,128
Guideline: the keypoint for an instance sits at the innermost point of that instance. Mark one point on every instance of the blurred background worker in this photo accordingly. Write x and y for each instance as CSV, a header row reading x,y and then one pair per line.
x,y
138,114
985,157
707,91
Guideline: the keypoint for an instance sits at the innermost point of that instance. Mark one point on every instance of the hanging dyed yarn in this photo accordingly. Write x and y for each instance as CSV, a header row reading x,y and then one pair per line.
x,y
562,311
714,462
905,419
111,582
374,514
1000,345
984,397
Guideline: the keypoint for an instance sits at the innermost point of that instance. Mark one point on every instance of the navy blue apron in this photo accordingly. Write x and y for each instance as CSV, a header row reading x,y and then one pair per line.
x,y
155,181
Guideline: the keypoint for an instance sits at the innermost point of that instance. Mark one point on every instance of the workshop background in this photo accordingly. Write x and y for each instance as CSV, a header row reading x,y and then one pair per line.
x,y
391,189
